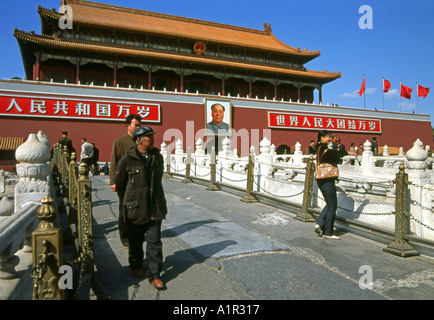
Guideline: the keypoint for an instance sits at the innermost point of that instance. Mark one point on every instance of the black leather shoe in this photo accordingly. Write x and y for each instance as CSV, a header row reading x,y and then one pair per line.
x,y
138,272
125,243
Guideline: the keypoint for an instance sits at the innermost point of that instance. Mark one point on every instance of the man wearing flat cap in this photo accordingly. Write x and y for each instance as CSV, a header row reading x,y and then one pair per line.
x,y
138,181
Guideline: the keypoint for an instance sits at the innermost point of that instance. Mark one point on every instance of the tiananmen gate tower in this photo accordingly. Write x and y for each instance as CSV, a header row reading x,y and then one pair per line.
x,y
110,61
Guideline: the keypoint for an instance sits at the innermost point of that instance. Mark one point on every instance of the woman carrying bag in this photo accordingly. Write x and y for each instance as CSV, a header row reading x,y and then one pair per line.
x,y
326,174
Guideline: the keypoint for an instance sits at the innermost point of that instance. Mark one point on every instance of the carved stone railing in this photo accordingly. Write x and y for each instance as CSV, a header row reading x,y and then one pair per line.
x,y
19,218
15,232
76,188
366,192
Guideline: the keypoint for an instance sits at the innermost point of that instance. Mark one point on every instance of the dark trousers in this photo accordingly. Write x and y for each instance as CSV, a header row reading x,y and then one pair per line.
x,y
89,162
326,219
121,223
154,247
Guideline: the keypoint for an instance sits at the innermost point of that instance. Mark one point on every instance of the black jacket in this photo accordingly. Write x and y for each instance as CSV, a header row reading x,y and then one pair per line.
x,y
140,187
330,156
326,155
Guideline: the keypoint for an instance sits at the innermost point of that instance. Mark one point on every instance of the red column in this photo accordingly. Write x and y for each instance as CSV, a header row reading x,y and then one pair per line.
x,y
298,94
37,68
223,85
250,89
115,74
77,72
182,81
149,77
275,91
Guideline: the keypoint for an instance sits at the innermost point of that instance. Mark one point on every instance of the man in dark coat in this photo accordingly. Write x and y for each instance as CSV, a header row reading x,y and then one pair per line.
x,y
374,146
120,147
95,159
138,181
65,141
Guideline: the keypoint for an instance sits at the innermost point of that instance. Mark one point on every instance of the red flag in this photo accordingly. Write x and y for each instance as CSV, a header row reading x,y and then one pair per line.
x,y
362,89
406,92
386,85
422,91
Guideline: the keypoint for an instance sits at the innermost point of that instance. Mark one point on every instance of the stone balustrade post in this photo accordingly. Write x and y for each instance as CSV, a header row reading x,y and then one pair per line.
x,y
367,158
33,171
163,151
419,180
225,154
200,153
265,158
179,152
2,181
297,158
6,207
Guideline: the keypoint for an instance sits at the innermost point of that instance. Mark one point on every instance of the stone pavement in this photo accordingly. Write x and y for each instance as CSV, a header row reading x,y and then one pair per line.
x,y
217,247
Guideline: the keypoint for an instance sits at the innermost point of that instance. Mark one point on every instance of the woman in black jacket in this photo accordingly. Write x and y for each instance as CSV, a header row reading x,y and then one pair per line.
x,y
326,219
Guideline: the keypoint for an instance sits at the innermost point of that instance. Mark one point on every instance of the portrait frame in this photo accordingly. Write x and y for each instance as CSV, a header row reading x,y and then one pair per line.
x,y
210,127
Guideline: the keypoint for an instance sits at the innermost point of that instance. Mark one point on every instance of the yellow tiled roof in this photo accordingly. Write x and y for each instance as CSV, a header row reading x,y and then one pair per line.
x,y
116,17
171,56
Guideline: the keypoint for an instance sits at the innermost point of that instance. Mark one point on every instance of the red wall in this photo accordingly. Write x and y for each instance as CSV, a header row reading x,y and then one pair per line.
x,y
184,121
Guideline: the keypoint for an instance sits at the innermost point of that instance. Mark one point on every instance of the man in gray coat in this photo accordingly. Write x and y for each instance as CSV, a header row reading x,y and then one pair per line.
x,y
138,181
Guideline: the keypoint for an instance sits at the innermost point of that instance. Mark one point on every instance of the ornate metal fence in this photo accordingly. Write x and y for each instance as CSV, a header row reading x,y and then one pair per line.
x,y
381,198
73,184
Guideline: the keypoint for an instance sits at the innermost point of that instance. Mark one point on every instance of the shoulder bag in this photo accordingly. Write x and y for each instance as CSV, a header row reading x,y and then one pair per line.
x,y
325,170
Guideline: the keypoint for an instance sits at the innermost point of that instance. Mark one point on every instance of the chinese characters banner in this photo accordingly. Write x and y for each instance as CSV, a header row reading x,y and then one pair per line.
x,y
316,122
72,108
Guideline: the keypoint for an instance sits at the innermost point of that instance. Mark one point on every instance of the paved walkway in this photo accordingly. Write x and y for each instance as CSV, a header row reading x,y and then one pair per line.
x,y
217,247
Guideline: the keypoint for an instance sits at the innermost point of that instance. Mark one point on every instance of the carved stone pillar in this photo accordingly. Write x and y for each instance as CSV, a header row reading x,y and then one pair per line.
x,y
33,170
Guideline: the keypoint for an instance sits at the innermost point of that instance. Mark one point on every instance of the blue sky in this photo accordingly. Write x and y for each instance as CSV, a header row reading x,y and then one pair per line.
x,y
399,47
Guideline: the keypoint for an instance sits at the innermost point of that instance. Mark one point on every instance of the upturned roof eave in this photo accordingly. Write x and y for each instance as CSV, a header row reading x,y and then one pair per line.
x,y
44,40
304,55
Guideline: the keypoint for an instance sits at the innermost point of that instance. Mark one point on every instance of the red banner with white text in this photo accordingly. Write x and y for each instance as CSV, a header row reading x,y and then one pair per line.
x,y
316,122
77,108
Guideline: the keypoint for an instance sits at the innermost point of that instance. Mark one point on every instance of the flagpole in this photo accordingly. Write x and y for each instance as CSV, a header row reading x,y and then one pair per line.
x,y
364,93
400,96
383,93
417,97
364,101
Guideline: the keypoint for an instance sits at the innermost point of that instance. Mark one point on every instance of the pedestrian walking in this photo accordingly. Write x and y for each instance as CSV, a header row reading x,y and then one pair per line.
x,y
120,147
138,181
311,147
106,169
325,222
374,146
86,153
95,159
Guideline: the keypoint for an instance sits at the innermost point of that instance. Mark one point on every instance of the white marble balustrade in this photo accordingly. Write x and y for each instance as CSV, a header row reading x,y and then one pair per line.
x,y
365,189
